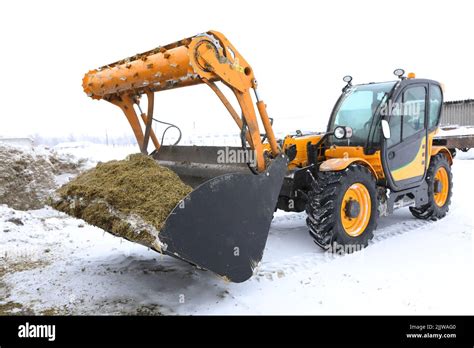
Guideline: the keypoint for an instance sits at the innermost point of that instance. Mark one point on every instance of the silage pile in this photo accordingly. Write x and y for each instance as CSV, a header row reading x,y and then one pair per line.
x,y
27,175
129,198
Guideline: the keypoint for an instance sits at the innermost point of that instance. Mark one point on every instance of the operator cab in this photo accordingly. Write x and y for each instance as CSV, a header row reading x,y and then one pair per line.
x,y
397,118
357,109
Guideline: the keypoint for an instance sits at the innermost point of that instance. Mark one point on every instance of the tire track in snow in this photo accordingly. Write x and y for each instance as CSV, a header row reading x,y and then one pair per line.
x,y
310,261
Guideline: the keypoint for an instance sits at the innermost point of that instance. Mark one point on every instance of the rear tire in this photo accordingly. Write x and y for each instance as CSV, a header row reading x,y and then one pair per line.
x,y
440,184
334,219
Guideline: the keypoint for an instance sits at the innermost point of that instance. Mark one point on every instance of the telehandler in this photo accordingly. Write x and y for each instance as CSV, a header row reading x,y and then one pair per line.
x,y
376,155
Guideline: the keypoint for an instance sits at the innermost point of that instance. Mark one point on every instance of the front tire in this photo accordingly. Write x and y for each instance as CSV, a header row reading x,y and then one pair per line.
x,y
342,209
440,184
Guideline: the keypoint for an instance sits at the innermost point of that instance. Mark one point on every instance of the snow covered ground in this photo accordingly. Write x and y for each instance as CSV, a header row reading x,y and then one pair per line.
x,y
456,131
55,264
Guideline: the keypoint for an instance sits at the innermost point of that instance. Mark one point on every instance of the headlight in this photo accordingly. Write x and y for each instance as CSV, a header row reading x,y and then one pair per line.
x,y
339,132
348,132
399,72
347,78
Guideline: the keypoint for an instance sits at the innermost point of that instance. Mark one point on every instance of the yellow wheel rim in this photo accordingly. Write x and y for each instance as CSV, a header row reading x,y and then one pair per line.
x,y
441,179
356,220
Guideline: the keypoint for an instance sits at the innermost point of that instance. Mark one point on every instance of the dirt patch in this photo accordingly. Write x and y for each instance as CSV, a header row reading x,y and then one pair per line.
x,y
65,163
16,221
27,176
51,311
7,266
11,266
129,198
15,308
9,308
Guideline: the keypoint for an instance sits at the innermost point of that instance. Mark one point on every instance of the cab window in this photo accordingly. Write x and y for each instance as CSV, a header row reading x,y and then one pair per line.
x,y
413,111
436,99
395,123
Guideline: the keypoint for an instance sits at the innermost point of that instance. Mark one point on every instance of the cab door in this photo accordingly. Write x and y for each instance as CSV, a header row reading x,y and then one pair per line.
x,y
405,152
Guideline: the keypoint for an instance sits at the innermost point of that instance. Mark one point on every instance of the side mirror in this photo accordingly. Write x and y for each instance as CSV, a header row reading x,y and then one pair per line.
x,y
385,129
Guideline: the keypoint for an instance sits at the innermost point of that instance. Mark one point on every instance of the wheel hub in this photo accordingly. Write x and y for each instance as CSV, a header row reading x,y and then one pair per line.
x,y
355,209
441,186
352,209
438,186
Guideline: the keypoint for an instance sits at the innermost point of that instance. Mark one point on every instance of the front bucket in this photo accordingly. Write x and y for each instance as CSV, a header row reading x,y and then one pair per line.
x,y
223,225
197,164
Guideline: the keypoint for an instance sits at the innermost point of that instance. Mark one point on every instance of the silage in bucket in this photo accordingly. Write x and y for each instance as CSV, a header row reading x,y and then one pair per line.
x,y
130,198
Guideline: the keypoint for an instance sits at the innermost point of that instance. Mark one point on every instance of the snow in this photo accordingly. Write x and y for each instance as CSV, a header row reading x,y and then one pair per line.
x,y
455,131
411,266
18,142
95,152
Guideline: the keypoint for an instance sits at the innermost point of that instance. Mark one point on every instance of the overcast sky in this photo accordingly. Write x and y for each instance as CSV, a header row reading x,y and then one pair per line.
x,y
299,51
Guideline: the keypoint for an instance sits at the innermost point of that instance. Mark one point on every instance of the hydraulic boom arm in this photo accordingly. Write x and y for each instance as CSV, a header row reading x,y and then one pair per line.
x,y
204,58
